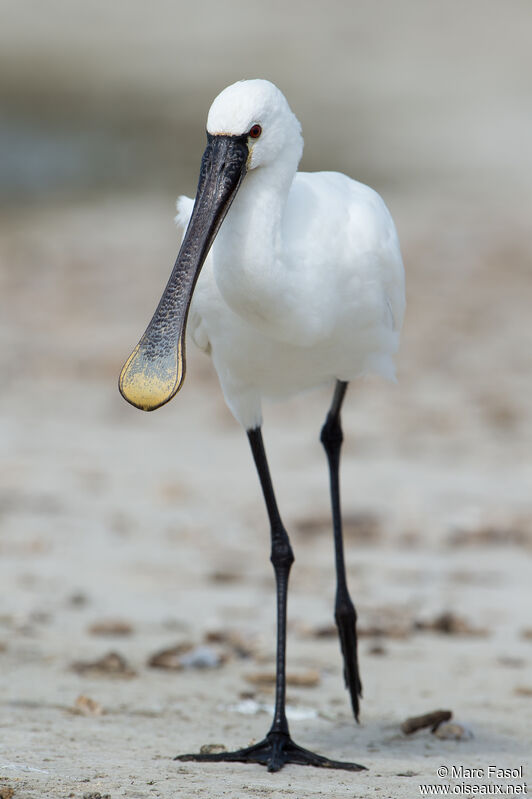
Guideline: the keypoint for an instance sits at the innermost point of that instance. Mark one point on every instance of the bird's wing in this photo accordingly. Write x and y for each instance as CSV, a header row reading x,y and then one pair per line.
x,y
349,227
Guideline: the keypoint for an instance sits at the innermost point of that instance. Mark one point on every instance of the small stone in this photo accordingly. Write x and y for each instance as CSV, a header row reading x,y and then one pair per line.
x,y
225,576
452,731
239,644
85,706
169,658
186,656
261,678
378,650
110,665
432,719
212,749
450,624
308,679
110,627
387,630
523,690
325,631
202,657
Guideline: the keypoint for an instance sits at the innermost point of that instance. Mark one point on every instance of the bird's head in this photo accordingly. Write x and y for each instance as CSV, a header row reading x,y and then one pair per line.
x,y
250,126
258,112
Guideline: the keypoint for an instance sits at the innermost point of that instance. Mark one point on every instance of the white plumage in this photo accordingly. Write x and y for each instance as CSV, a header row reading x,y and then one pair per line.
x,y
304,282
289,280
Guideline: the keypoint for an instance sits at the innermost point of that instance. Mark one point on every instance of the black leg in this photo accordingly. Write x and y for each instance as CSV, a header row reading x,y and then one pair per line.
x,y
277,748
344,612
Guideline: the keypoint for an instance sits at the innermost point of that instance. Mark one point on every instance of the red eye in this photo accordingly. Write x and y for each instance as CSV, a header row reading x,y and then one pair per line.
x,y
255,131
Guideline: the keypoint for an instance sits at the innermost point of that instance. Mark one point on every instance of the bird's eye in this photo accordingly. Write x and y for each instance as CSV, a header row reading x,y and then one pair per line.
x,y
255,131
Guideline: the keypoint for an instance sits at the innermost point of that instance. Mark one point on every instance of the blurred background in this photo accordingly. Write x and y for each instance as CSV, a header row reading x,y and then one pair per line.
x,y
150,516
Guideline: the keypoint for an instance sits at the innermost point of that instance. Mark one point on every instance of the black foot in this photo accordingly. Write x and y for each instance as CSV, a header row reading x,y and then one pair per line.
x,y
274,752
345,617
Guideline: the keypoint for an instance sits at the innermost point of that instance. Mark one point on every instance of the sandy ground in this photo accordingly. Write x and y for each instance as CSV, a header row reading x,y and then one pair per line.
x,y
156,521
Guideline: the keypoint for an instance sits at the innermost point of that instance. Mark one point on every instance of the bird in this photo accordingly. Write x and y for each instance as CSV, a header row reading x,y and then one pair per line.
x,y
288,280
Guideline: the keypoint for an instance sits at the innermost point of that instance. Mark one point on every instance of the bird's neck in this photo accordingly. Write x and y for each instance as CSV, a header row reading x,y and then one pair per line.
x,y
248,251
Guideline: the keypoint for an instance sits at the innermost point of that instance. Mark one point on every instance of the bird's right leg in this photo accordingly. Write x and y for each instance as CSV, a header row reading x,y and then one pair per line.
x,y
277,748
344,612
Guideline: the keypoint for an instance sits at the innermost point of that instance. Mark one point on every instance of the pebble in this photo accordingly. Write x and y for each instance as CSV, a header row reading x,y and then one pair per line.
x,y
110,627
307,679
85,706
186,656
202,657
523,690
450,624
452,731
212,749
110,665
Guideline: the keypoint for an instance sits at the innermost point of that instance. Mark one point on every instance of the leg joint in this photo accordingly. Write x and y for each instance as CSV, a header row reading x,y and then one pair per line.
x,y
344,608
281,556
331,433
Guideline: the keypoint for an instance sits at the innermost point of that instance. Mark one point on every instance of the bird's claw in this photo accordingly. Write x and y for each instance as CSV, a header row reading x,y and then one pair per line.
x,y
345,617
274,751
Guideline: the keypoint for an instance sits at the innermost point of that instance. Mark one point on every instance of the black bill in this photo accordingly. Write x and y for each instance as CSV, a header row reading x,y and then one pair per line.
x,y
155,370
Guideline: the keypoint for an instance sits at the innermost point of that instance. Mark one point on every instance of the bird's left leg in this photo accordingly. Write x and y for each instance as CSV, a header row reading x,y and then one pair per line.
x,y
277,748
344,612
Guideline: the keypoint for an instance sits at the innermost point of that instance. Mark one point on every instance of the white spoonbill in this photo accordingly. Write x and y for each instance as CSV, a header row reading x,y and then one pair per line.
x,y
302,284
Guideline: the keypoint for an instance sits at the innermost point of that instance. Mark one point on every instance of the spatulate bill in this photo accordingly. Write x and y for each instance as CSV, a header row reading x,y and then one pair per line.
x,y
155,370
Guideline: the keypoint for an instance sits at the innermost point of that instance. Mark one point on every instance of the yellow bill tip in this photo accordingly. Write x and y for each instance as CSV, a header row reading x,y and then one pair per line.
x,y
147,382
